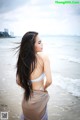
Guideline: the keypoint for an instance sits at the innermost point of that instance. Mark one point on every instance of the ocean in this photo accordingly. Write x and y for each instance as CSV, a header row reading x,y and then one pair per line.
x,y
64,55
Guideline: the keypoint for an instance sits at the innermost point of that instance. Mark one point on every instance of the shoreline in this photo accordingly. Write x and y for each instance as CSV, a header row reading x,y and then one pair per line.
x,y
7,37
61,106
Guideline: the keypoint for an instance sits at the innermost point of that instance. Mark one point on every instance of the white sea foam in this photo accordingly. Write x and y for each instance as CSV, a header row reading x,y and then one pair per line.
x,y
69,84
70,58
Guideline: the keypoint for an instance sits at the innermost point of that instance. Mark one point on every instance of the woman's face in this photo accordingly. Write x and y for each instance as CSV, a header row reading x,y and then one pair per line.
x,y
38,44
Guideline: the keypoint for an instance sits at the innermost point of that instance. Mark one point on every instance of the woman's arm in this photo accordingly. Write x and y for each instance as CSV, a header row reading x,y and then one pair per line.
x,y
47,71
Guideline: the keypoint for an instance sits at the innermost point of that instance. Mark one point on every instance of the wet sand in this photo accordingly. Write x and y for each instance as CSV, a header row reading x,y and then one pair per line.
x,y
61,106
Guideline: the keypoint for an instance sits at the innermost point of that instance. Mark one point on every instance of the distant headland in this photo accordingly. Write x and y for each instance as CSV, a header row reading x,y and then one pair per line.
x,y
5,34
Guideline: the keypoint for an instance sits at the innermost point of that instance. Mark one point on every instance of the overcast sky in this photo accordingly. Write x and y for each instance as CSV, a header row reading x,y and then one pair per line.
x,y
43,16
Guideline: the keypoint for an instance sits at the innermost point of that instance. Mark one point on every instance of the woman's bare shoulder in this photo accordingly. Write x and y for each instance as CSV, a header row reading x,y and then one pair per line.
x,y
43,56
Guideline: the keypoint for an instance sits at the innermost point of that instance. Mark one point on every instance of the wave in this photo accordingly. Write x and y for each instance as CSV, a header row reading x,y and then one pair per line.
x,y
69,84
70,58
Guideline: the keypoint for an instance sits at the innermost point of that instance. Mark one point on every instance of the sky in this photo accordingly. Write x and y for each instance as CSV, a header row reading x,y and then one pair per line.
x,y
44,16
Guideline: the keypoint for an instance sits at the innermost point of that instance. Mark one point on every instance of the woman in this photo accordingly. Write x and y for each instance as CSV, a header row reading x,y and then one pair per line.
x,y
32,67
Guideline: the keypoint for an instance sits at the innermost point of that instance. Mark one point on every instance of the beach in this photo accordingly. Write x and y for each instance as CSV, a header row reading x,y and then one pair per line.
x,y
61,106
64,102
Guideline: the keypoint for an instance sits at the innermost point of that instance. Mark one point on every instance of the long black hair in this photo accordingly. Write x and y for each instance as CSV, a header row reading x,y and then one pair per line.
x,y
26,61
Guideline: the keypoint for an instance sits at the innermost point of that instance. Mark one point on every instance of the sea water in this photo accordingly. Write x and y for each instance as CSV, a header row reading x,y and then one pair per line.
x,y
64,55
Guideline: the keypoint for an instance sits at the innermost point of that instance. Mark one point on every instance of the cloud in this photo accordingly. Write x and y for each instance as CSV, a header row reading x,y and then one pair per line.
x,y
76,9
42,16
8,5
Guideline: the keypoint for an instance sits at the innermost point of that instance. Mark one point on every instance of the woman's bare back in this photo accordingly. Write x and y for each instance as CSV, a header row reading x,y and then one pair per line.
x,y
38,71
42,66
